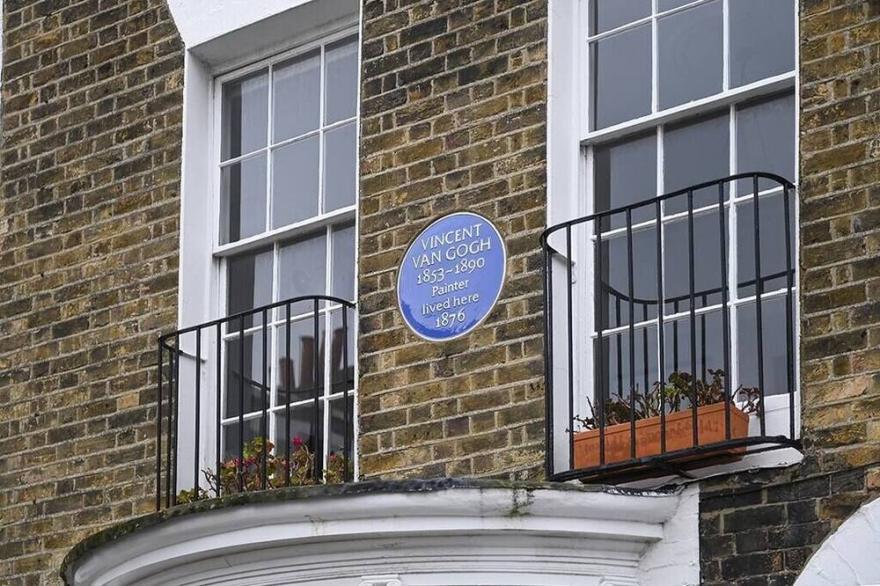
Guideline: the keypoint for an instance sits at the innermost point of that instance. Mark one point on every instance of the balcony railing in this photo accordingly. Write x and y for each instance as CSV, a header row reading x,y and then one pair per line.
x,y
228,422
670,330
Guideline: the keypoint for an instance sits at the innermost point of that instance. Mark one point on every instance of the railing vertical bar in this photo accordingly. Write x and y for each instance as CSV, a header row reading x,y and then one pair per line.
x,y
288,389
198,412
160,358
759,290
693,320
704,299
176,417
646,378
240,466
618,342
599,316
631,333
570,340
725,310
219,414
264,390
661,334
675,305
789,313
548,361
345,396
317,451
170,423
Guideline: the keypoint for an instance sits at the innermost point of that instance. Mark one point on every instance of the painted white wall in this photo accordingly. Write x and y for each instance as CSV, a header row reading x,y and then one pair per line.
x,y
496,536
849,557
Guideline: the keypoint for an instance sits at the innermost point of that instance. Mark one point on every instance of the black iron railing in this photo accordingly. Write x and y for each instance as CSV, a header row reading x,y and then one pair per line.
x,y
228,422
670,331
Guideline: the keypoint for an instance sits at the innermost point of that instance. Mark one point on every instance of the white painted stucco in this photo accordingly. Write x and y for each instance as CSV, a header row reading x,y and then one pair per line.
x,y
851,555
496,536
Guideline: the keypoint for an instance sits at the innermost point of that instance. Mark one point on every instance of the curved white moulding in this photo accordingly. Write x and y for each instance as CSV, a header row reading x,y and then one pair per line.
x,y
411,533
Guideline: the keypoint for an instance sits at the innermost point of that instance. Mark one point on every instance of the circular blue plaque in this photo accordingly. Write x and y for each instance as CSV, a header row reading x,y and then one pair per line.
x,y
451,276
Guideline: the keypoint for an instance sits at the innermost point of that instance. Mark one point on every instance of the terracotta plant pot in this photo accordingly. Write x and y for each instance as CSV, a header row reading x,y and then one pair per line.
x,y
679,436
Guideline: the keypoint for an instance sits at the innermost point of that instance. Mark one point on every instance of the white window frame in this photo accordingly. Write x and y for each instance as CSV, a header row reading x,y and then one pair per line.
x,y
276,237
571,172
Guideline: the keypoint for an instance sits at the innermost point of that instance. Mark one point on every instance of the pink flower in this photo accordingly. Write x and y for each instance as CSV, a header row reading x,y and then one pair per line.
x,y
297,442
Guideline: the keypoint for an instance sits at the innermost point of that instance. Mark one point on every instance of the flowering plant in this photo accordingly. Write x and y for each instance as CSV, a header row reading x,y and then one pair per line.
x,y
246,474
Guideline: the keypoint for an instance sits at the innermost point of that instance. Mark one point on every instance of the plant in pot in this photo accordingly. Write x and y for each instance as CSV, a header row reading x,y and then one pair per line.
x,y
669,406
245,475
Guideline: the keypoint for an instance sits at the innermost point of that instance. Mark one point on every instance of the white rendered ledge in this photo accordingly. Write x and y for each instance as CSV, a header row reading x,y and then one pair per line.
x,y
422,532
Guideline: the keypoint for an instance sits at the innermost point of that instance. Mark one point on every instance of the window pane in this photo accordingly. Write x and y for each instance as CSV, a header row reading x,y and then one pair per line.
x,y
303,267
244,115
340,167
765,133
773,336
695,152
772,222
341,80
245,386
295,182
625,172
301,432
252,429
690,54
296,99
609,14
338,423
615,277
243,199
248,284
622,76
342,372
297,376
664,5
761,39
616,380
708,349
343,262
707,262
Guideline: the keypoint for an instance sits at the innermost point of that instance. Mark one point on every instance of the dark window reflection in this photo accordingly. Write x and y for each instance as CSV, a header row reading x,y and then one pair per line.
x,y
773,327
771,215
707,266
693,153
615,277
609,14
621,76
245,385
624,174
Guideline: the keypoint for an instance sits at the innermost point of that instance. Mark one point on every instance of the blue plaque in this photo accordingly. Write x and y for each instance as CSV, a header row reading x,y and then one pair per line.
x,y
451,276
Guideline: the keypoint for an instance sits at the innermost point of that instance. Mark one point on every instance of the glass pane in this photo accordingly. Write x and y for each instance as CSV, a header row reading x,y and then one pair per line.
x,y
341,92
609,14
772,222
706,262
692,153
301,431
252,429
295,182
245,386
765,135
773,336
338,423
664,5
296,98
690,54
342,356
615,278
243,199
340,167
343,262
297,375
708,348
616,380
244,115
248,284
761,39
621,76
625,173
303,268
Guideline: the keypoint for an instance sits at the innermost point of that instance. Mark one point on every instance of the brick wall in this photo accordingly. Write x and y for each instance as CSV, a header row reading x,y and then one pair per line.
x,y
760,528
453,118
88,266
